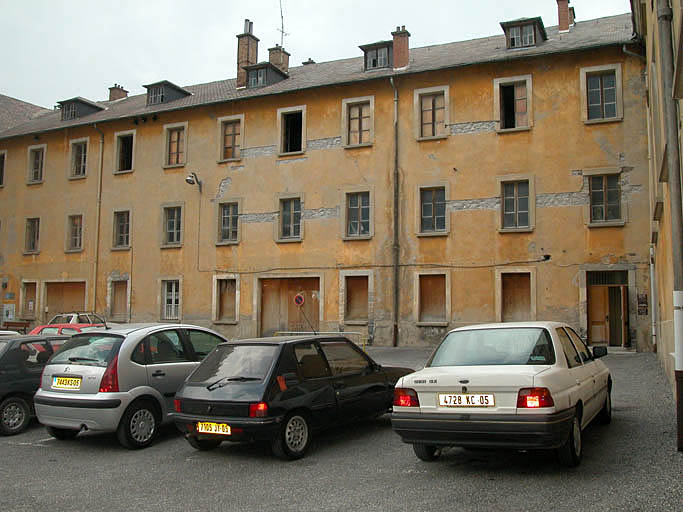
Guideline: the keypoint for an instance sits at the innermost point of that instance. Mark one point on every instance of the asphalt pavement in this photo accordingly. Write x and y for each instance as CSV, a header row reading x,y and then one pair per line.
x,y
631,464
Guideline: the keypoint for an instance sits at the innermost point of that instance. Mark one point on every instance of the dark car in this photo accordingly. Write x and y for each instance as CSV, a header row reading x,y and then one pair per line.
x,y
22,359
280,390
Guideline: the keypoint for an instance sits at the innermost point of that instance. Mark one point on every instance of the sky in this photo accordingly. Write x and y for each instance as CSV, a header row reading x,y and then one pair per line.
x,y
54,50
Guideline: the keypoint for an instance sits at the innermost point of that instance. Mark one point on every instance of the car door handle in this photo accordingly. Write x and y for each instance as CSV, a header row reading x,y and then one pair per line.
x,y
158,373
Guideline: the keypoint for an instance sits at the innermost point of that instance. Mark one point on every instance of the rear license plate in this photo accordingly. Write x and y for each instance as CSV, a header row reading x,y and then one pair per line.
x,y
208,427
467,400
73,383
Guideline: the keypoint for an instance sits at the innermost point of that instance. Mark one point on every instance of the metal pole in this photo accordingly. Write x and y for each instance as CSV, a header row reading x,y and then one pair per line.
x,y
664,16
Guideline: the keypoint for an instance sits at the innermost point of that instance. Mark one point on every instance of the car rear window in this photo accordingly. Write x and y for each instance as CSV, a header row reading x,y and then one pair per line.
x,y
477,347
2,345
235,361
88,349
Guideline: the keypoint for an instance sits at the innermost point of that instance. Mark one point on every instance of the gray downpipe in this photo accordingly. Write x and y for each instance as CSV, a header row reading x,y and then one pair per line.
x,y
396,247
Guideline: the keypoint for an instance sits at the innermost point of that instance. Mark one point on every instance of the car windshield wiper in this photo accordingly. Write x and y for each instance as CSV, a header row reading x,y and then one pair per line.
x,y
225,380
73,359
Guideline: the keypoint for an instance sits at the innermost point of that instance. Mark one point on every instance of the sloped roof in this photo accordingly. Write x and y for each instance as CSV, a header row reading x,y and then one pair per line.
x,y
612,30
14,112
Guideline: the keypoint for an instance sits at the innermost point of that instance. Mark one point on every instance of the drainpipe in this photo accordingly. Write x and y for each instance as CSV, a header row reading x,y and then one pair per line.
x,y
664,16
653,300
396,247
98,214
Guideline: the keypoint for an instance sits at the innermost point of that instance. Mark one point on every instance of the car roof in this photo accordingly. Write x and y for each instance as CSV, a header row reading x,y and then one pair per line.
x,y
282,340
513,325
126,329
34,337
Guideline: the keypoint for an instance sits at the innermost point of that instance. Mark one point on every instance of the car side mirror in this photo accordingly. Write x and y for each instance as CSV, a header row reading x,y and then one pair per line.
x,y
599,352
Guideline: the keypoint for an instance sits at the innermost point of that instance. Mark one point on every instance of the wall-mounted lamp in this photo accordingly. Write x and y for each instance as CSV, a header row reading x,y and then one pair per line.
x,y
193,179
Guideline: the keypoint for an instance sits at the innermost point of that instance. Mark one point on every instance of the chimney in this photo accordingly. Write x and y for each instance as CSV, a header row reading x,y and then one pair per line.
x,y
401,48
279,58
563,15
572,17
247,52
117,92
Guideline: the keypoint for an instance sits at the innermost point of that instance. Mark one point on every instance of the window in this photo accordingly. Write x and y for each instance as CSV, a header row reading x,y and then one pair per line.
x,y
343,358
118,304
3,158
155,95
125,151
580,345
378,57
75,233
166,347
231,140
68,111
527,35
356,299
32,239
601,94
512,102
170,291
516,204
292,129
202,342
121,229
432,307
257,77
310,362
226,307
432,210
28,299
228,217
357,214
172,225
521,36
175,146
515,294
431,112
36,162
605,198
358,121
515,37
79,158
290,218
573,359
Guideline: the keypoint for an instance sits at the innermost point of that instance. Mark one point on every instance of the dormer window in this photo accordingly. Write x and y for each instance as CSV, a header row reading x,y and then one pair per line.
x,y
257,77
522,36
264,73
524,32
68,111
164,92
78,107
378,55
156,95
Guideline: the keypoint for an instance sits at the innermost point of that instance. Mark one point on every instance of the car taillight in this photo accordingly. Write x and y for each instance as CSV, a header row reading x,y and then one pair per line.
x,y
531,398
41,377
259,410
406,397
110,379
176,405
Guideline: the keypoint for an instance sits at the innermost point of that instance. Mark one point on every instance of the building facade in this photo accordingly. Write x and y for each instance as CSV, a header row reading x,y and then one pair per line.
x,y
398,194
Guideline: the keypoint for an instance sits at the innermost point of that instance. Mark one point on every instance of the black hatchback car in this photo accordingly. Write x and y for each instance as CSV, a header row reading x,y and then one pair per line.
x,y
280,390
22,359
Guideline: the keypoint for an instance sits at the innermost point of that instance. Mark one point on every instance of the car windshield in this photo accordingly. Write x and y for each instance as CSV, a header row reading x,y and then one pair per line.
x,y
88,349
509,346
60,319
234,363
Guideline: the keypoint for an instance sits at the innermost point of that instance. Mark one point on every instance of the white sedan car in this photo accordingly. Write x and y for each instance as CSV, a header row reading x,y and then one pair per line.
x,y
530,385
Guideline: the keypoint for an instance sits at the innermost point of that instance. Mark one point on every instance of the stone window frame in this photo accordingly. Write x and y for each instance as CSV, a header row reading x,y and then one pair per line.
x,y
499,289
218,218
127,247
347,103
70,167
37,243
604,171
221,122
215,298
280,144
343,210
3,173
510,178
67,239
167,129
418,209
164,206
583,87
117,151
343,274
161,298
110,288
278,224
29,168
510,80
417,111
22,292
416,296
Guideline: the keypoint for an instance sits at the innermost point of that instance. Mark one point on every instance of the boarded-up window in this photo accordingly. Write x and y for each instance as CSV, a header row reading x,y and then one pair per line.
x,y
356,298
28,307
516,295
226,294
119,299
433,298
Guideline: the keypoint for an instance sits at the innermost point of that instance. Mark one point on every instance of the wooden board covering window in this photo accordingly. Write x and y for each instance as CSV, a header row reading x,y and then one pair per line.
x,y
119,300
433,298
29,305
65,297
516,295
226,300
356,298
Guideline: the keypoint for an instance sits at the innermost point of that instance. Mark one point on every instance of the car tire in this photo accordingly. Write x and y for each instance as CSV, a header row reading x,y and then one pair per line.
x,y
293,438
569,454
605,414
138,426
63,434
426,452
15,415
203,444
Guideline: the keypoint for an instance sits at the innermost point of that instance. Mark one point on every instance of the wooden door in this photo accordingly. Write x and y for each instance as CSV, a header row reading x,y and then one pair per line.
x,y
516,297
598,314
280,313
119,300
64,298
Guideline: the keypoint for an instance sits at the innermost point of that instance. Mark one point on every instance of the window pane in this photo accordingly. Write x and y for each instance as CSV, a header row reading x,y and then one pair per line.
x,y
509,220
523,219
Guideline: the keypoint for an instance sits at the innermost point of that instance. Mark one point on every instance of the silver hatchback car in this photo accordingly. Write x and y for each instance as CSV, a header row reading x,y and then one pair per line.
x,y
120,380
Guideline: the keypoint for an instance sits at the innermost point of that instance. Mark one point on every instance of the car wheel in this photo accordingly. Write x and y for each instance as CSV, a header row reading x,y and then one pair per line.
x,y
138,425
203,444
293,438
605,415
570,452
426,452
15,415
62,433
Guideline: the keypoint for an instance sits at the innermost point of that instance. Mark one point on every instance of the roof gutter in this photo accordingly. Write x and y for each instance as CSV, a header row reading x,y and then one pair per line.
x,y
396,246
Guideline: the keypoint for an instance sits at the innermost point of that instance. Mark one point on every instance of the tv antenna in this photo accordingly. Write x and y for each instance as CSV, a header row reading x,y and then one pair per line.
x,y
282,27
